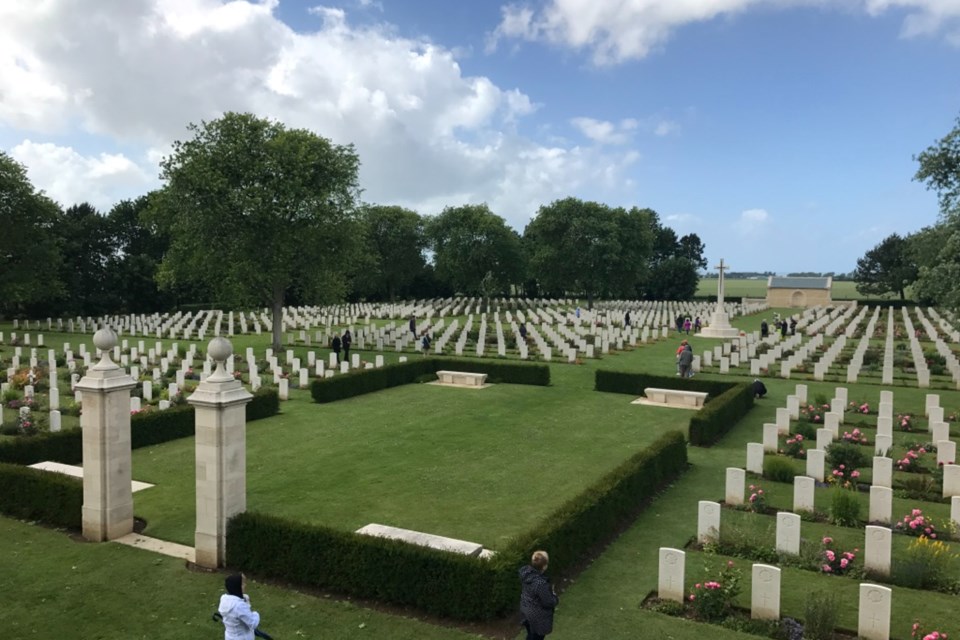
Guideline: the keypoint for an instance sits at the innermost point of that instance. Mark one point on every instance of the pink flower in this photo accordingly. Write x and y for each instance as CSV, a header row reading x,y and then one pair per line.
x,y
913,524
696,586
692,597
730,563
827,569
828,540
855,474
843,563
831,556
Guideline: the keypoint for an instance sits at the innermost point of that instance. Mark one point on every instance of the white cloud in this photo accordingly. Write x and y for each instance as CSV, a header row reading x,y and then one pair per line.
x,y
665,128
71,178
136,72
754,216
605,132
618,30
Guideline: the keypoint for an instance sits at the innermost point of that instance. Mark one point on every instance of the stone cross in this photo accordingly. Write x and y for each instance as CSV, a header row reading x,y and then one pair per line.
x,y
720,269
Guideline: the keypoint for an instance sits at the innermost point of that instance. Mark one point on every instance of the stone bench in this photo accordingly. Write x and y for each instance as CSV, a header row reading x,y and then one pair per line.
x,y
422,539
462,378
676,397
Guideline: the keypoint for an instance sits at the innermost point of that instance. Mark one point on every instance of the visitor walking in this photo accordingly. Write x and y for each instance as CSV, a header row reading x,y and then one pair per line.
x,y
425,343
538,599
240,621
335,345
523,331
347,342
683,344
685,361
686,325
679,323
697,325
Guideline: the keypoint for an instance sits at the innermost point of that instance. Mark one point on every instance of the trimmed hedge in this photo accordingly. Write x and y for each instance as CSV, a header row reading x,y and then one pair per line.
x,y
717,418
449,584
634,383
31,494
146,429
363,381
441,583
726,404
590,518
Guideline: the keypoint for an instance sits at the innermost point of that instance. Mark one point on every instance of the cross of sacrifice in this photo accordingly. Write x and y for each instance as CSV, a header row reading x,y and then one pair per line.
x,y
720,269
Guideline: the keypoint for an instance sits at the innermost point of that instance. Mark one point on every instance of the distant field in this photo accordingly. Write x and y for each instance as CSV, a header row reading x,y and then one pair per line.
x,y
758,289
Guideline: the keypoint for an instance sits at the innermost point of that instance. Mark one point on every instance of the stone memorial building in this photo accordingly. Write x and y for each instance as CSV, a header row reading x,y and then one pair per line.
x,y
799,292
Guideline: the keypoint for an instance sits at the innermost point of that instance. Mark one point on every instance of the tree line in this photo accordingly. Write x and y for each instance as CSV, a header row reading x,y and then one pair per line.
x,y
253,213
926,261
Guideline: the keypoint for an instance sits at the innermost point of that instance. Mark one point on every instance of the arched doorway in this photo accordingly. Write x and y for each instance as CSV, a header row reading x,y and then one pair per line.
x,y
798,299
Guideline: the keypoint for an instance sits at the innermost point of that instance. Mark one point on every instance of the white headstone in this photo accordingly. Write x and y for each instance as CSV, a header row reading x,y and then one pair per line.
x,y
147,390
939,431
783,420
874,614
876,553
736,483
344,367
935,414
755,458
946,452
284,389
951,480
788,533
886,397
333,360
708,521
932,400
882,472
881,505
882,445
771,438
801,392
378,361
885,426
670,580
55,421
955,510
765,593
824,438
164,405
832,421
134,403
803,493
816,463
54,398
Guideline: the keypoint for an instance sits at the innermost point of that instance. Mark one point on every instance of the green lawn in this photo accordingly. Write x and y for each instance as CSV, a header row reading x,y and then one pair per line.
x,y
447,461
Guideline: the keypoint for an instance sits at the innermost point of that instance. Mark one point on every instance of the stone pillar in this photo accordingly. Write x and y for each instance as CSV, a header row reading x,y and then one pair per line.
x,y
221,455
107,473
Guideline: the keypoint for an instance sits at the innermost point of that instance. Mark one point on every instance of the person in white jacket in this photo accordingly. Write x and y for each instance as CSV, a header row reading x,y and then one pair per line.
x,y
239,620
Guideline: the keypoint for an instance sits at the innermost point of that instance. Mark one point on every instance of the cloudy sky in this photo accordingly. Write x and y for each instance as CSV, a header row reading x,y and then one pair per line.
x,y
781,131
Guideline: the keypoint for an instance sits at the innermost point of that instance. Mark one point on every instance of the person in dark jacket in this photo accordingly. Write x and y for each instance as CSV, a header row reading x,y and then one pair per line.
x,y
537,597
346,341
764,329
759,389
523,331
413,325
335,345
685,361
793,326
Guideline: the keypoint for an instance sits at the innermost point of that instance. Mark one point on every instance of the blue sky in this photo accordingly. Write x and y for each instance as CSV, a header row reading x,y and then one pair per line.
x,y
781,131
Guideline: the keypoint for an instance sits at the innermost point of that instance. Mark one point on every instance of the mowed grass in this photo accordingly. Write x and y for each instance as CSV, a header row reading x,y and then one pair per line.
x,y
758,289
475,465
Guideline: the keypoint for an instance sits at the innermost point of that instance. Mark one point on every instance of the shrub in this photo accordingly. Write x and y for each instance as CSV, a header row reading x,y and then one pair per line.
x,y
926,564
850,455
712,600
31,494
821,616
720,415
794,447
778,469
807,430
916,524
364,381
632,383
835,561
844,508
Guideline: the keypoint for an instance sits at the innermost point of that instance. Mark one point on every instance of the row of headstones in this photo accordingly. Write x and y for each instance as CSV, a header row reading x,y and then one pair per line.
x,y
804,491
874,605
877,539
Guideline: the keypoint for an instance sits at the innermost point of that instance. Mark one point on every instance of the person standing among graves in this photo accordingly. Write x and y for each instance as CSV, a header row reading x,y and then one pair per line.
x,y
685,361
523,331
425,343
346,341
793,326
764,328
239,620
783,329
683,343
413,325
626,320
686,325
679,323
538,599
335,345
697,325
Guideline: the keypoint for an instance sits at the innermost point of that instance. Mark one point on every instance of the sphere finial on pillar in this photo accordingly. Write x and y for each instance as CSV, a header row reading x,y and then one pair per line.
x,y
105,339
219,349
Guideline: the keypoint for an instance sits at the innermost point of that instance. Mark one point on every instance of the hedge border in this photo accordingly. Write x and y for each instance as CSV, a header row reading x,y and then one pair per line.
x,y
447,584
146,429
726,404
31,494
363,381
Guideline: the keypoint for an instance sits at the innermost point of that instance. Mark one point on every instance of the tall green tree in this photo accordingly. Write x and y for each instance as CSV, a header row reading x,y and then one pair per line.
x,y
138,249
475,252
674,264
692,248
587,247
88,249
938,281
30,256
395,240
254,209
887,268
